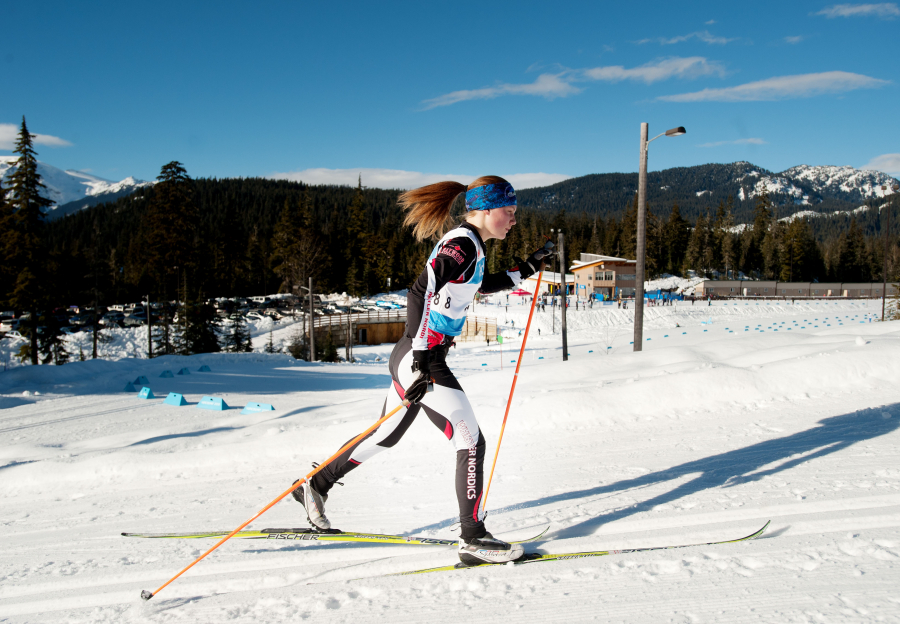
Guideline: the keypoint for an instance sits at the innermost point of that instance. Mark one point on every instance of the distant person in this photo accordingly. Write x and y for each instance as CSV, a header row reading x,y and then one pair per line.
x,y
437,304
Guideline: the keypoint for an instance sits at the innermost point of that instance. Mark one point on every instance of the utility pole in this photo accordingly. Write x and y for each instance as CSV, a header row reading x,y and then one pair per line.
x,y
553,297
312,325
349,332
642,230
565,294
887,236
641,243
149,331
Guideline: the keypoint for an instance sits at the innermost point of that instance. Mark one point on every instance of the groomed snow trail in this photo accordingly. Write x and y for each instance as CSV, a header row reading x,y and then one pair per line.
x,y
704,435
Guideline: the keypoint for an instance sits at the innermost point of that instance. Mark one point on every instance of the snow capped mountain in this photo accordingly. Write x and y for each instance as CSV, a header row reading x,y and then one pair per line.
x,y
65,187
806,185
836,181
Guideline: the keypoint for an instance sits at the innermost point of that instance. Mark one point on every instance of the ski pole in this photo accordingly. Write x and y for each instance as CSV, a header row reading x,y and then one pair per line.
x,y
513,388
148,595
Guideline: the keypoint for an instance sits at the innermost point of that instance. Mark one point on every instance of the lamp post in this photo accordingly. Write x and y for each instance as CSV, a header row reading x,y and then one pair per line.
x,y
641,231
887,236
565,294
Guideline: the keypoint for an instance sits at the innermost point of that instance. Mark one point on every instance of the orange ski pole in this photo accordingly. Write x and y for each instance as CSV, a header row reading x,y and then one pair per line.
x,y
513,388
148,595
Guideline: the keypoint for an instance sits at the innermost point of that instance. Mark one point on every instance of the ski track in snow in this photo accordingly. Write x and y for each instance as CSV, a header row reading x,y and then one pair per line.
x,y
704,435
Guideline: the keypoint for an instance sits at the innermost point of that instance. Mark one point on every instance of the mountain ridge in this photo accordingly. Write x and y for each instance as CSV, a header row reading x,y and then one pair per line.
x,y
70,190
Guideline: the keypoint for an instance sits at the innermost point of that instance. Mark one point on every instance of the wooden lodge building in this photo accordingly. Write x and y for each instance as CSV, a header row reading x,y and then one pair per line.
x,y
607,277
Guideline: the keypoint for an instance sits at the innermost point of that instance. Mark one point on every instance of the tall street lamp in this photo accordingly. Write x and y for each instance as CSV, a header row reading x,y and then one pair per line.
x,y
887,236
641,232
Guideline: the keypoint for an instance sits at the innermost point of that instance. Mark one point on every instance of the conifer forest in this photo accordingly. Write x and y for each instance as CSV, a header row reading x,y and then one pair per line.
x,y
194,239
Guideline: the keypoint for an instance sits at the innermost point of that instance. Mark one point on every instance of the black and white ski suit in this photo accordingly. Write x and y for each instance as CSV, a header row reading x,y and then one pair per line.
x,y
436,310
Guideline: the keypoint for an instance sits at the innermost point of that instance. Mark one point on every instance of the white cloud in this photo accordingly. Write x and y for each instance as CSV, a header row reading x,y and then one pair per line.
x,y
399,179
561,85
887,163
782,88
885,10
703,35
752,141
549,86
793,40
674,67
710,22
9,133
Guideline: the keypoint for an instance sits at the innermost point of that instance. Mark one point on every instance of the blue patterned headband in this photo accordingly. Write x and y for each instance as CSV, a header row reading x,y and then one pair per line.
x,y
490,196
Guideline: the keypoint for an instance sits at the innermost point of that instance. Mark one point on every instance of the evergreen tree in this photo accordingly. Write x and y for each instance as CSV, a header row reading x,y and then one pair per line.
x,y
677,235
328,351
24,248
297,253
7,273
628,231
171,225
238,340
357,233
725,243
851,263
696,248
51,343
201,329
772,250
801,259
752,238
270,345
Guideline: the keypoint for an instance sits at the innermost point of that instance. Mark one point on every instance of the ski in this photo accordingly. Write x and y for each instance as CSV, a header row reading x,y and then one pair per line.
x,y
538,557
308,534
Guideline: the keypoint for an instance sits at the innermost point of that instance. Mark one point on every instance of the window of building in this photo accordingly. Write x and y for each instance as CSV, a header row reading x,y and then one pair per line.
x,y
765,290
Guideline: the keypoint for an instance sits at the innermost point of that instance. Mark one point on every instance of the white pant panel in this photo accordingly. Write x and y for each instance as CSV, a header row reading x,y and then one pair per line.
x,y
450,403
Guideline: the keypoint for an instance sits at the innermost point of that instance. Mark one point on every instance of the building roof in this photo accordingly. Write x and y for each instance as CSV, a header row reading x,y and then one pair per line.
x,y
551,277
578,265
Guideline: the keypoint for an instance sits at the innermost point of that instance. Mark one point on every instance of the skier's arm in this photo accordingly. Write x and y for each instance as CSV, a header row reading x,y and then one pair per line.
x,y
494,282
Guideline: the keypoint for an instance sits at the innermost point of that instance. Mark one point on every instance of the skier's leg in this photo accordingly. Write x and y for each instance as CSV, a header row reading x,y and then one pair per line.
x,y
386,436
449,409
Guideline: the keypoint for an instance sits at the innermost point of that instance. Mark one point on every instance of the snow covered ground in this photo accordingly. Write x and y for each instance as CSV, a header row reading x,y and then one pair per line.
x,y
731,416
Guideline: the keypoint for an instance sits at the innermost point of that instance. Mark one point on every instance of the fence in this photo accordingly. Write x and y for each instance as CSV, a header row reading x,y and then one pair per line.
x,y
362,324
478,328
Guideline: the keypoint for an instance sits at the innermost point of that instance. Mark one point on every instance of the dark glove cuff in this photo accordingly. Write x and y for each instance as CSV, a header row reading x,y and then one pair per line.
x,y
421,362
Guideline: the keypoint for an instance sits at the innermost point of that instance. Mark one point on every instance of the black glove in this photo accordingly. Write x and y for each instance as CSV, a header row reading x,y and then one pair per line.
x,y
423,383
529,267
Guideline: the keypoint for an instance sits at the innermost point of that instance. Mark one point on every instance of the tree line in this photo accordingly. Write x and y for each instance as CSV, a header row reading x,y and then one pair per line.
x,y
193,239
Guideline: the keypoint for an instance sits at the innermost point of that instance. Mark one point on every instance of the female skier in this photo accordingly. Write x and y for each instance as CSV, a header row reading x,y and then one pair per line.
x,y
436,312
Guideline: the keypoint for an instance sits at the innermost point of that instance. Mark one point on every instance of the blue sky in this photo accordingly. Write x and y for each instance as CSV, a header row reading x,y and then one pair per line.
x,y
408,93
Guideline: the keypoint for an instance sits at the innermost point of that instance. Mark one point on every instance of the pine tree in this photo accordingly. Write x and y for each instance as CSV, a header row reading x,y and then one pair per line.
x,y
725,244
238,340
270,345
24,246
51,344
677,235
201,329
696,247
297,253
7,273
171,224
328,350
358,231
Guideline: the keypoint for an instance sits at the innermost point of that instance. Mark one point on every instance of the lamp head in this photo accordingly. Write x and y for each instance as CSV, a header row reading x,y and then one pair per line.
x,y
676,131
